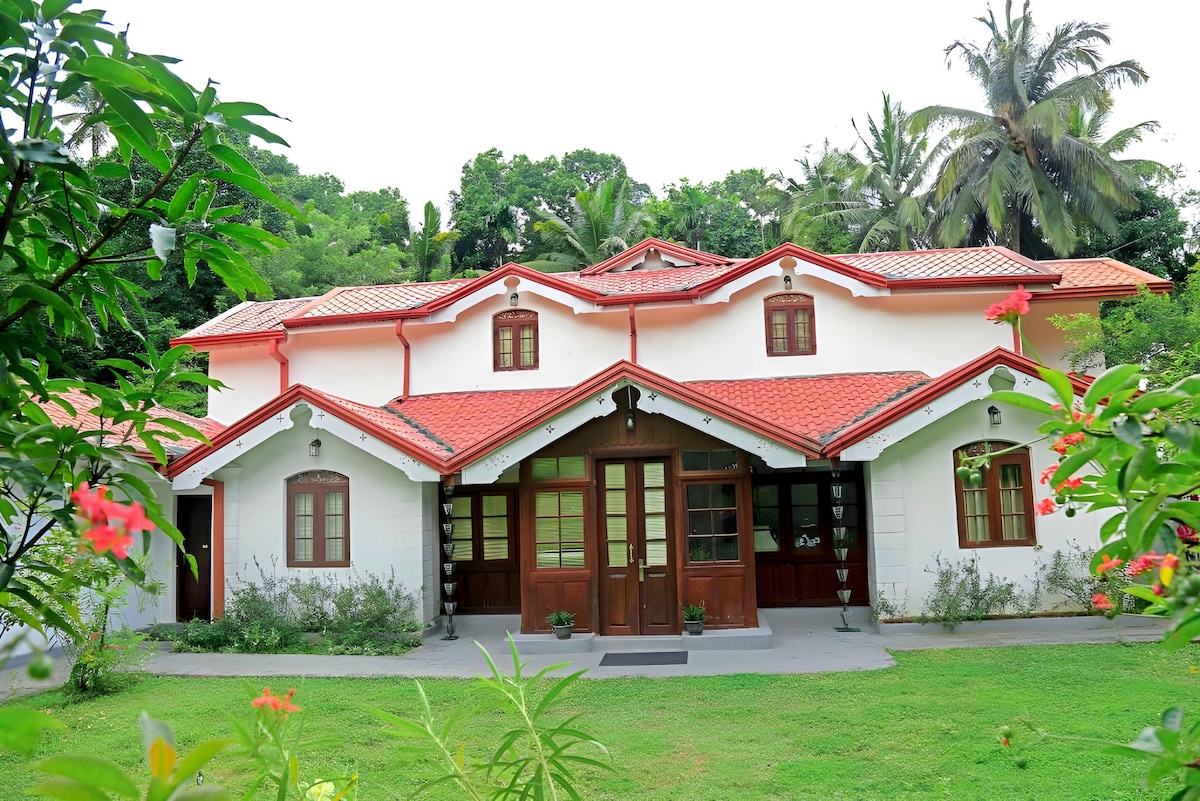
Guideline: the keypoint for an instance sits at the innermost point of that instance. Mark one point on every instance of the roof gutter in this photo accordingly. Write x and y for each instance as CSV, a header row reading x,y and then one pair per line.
x,y
632,333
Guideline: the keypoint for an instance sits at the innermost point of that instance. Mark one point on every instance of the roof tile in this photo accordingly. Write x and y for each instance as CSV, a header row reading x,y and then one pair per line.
x,y
85,419
250,317
1101,273
990,262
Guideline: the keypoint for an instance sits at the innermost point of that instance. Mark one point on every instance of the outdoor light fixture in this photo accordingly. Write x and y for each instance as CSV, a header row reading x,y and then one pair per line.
x,y
993,415
629,419
787,282
314,448
512,299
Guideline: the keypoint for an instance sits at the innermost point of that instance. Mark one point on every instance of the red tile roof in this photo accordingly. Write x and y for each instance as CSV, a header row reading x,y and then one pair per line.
x,y
667,250
639,282
85,419
908,265
462,419
394,423
815,406
1103,274
249,317
367,299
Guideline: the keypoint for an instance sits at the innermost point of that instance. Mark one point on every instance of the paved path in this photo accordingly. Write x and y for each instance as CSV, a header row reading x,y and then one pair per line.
x,y
804,641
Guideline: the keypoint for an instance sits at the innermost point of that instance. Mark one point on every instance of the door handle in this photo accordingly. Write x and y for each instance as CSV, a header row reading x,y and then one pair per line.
x,y
642,570
631,553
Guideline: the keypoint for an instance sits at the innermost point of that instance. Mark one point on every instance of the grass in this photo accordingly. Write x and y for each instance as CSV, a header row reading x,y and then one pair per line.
x,y
926,729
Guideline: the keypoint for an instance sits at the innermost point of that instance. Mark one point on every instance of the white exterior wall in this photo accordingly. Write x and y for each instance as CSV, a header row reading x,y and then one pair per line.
x,y
391,521
251,377
1046,339
361,363
457,356
930,333
913,511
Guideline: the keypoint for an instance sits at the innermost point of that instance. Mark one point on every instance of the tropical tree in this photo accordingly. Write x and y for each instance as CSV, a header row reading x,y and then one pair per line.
x,y
429,245
815,216
1015,167
602,223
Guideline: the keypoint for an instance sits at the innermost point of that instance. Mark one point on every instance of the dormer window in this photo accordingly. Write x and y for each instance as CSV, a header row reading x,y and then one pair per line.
x,y
515,340
791,325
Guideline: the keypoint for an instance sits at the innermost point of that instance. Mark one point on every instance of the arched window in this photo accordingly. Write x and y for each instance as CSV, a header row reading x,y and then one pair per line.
x,y
515,340
998,510
791,325
318,528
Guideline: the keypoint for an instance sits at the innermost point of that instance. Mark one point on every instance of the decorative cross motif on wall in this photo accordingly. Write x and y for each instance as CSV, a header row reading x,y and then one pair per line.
x,y
653,396
362,437
549,429
320,415
279,419
928,410
976,384
707,420
239,443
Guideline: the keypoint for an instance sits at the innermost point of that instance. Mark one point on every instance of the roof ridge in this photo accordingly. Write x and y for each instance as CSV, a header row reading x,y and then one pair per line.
x,y
825,440
432,437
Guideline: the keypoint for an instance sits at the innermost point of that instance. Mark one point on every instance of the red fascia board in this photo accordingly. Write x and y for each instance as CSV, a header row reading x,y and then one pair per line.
x,y
342,319
219,340
295,394
935,389
1102,292
662,246
628,370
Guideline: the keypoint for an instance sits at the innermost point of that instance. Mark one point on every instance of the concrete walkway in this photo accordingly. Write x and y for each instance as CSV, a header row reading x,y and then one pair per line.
x,y
801,641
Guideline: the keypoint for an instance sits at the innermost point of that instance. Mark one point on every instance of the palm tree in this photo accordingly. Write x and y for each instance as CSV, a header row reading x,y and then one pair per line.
x,y
86,121
1016,165
429,245
816,216
603,223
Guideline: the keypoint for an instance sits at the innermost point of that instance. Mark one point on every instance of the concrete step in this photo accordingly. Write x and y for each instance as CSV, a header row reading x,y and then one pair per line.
x,y
755,639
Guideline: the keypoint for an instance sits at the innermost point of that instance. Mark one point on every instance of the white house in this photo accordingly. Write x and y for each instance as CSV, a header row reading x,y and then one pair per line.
x,y
667,427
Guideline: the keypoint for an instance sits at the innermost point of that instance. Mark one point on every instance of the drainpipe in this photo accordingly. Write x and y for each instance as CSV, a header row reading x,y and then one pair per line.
x,y
217,566
284,381
407,355
632,335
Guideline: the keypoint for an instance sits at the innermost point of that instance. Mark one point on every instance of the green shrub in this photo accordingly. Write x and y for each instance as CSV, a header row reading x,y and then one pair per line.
x,y
373,616
961,593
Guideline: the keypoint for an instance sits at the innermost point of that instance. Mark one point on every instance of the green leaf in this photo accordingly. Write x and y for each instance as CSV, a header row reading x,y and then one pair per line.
x,y
245,126
129,111
1014,398
1129,430
92,771
258,189
1109,381
242,109
116,74
234,160
67,790
21,728
183,95
1061,385
183,197
111,169
45,297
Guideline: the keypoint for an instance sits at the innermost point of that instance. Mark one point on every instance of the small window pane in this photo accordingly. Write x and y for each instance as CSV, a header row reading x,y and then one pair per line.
x,y
544,468
727,549
695,460
614,502
656,553
572,529
571,467
654,474
495,505
617,553
700,549
546,504
571,503
656,527
494,527
495,549
699,523
656,501
614,476
804,494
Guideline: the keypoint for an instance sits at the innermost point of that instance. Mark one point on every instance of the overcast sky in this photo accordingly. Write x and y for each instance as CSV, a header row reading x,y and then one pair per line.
x,y
403,94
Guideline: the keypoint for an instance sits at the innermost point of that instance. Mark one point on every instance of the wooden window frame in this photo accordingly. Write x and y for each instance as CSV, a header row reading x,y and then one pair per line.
x,y
319,490
790,302
516,320
477,536
991,488
724,478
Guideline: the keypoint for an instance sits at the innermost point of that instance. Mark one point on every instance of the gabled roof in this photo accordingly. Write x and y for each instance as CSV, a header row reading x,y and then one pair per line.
x,y
606,284
886,415
668,251
1101,278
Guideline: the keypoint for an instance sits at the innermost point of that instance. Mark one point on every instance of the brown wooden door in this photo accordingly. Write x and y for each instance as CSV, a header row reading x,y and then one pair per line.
x,y
193,517
485,551
637,593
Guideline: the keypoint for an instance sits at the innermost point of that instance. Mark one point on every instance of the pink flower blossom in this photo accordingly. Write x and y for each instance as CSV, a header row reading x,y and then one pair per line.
x,y
1009,309
1108,563
1045,506
1101,602
1066,441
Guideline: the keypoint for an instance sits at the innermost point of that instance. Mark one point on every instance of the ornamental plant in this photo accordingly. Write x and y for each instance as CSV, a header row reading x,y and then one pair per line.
x,y
1126,453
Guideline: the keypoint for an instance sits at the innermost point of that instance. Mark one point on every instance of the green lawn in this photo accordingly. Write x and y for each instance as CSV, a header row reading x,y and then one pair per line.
x,y
925,729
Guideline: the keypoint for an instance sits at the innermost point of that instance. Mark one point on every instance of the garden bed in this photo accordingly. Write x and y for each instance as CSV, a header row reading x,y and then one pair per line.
x,y
1023,624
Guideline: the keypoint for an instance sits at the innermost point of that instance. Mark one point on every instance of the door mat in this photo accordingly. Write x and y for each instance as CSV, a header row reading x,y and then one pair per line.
x,y
644,658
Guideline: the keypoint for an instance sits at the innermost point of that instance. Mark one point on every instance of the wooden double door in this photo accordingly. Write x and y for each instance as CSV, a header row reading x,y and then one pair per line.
x,y
638,547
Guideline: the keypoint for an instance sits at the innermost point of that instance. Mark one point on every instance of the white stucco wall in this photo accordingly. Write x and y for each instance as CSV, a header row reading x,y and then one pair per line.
x,y
391,519
251,376
457,356
930,333
362,363
911,490
1045,338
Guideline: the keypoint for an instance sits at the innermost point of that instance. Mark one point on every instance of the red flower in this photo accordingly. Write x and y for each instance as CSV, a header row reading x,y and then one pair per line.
x,y
1004,742
1009,309
93,507
133,516
1101,602
276,703
1157,589
1108,563
1045,506
1187,533
1145,562
105,538
1086,419
1070,483
266,699
1048,474
1066,441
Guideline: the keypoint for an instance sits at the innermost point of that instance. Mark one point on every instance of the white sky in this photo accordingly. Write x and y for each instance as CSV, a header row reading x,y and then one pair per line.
x,y
403,94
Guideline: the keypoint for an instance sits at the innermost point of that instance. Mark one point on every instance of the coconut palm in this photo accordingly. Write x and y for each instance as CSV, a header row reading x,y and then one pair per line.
x,y
429,245
821,199
1016,165
602,223
86,122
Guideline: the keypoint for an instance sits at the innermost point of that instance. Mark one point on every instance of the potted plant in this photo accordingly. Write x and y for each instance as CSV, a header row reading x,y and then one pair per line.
x,y
563,623
693,618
